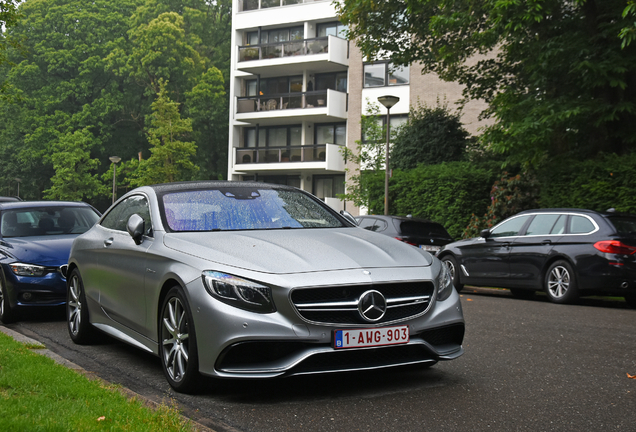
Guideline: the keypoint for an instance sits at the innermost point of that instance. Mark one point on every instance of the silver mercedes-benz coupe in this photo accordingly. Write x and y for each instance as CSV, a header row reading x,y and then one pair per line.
x,y
252,280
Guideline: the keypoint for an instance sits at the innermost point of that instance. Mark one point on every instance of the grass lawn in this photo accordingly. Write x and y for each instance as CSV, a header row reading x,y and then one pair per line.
x,y
37,394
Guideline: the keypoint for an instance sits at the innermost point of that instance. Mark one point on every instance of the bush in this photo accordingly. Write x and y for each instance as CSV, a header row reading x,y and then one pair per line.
x,y
447,193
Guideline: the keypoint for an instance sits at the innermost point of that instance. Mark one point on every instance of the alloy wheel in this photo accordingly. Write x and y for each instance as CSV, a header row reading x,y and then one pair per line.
x,y
74,306
559,281
175,339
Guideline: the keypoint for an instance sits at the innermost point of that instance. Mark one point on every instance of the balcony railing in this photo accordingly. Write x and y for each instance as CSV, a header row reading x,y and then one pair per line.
x,y
315,153
247,5
315,99
299,47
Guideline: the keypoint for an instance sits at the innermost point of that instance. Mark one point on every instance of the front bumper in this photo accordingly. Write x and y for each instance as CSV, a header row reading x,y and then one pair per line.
x,y
234,343
25,291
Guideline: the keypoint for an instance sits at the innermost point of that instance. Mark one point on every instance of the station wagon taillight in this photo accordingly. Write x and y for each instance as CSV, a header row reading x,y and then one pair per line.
x,y
614,247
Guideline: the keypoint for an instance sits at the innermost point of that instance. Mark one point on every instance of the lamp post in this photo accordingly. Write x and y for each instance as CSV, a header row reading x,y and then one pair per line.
x,y
18,180
388,102
114,160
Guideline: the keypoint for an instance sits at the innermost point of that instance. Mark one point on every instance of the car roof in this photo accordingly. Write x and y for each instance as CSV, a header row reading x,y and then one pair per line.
x,y
214,184
31,204
8,199
401,218
607,213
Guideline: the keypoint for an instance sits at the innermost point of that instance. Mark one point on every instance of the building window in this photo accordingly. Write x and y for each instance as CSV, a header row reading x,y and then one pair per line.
x,y
331,133
397,120
275,36
328,186
334,28
332,81
274,86
381,74
273,136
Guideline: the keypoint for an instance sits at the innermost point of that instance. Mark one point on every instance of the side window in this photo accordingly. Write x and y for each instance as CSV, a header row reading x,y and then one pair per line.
x,y
118,217
542,224
380,225
366,223
509,228
559,226
580,225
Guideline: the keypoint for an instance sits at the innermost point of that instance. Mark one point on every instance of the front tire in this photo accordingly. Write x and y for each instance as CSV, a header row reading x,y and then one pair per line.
x,y
451,263
79,328
178,349
7,315
560,283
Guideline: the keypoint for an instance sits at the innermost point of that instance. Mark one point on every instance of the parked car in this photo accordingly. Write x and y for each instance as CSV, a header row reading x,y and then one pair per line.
x,y
35,241
8,199
250,280
565,252
422,233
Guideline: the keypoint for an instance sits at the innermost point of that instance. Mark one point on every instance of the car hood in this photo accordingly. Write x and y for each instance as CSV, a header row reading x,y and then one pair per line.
x,y
299,251
49,251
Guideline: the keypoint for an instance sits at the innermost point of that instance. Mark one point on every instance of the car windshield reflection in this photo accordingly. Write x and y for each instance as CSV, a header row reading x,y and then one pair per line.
x,y
240,208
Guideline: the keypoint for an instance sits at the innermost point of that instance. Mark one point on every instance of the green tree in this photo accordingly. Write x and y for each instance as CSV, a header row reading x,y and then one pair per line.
x,y
553,73
75,177
170,158
430,136
8,18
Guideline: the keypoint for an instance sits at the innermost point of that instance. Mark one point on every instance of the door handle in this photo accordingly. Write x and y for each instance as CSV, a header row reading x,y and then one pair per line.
x,y
108,242
546,242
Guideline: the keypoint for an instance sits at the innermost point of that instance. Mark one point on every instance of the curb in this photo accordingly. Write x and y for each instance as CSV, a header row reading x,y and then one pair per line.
x,y
91,375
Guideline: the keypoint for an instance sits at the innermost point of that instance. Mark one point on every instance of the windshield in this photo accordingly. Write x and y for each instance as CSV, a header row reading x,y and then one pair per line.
x,y
39,221
242,208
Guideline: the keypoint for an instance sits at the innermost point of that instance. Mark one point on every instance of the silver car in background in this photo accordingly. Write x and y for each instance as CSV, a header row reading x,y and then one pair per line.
x,y
250,280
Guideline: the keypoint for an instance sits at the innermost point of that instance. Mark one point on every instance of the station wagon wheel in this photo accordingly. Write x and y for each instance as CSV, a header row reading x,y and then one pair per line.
x,y
7,315
78,325
560,283
451,263
178,349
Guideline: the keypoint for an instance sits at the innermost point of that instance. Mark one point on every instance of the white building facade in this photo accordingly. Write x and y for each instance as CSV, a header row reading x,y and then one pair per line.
x,y
298,89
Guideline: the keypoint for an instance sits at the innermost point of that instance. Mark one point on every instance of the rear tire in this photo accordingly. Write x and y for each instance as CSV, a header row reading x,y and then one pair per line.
x,y
178,348
7,315
451,263
560,283
79,328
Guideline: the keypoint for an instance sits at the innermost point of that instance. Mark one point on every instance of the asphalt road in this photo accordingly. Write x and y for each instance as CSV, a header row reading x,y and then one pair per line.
x,y
528,366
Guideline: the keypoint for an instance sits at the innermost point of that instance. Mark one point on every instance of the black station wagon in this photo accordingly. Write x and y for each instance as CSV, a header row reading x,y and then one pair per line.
x,y
566,252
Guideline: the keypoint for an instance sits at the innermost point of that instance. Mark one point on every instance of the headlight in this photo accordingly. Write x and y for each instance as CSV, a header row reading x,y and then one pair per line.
x,y
28,269
444,283
239,292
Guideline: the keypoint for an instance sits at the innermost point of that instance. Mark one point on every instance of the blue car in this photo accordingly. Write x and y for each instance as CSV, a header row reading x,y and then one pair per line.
x,y
35,242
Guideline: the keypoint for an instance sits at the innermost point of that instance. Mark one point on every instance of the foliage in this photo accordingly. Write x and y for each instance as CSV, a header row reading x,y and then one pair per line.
x,y
597,184
9,17
552,72
89,78
447,193
508,196
432,135
368,158
628,33
170,158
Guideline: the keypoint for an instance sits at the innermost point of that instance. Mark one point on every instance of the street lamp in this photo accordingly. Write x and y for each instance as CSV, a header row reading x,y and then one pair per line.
x,y
388,102
18,180
114,160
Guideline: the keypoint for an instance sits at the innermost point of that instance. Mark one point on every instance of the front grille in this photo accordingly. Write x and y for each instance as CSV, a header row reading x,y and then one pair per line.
x,y
339,305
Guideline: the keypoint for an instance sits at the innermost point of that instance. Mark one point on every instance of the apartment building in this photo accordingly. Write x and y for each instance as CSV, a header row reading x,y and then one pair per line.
x,y
298,89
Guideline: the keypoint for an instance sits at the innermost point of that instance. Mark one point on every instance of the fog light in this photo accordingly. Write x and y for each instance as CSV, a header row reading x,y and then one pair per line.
x,y
27,296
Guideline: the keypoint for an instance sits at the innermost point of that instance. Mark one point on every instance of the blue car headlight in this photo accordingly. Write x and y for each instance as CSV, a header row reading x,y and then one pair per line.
x,y
22,269
239,292
444,283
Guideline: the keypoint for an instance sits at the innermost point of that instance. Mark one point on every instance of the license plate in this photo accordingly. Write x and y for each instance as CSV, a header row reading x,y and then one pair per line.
x,y
430,248
371,337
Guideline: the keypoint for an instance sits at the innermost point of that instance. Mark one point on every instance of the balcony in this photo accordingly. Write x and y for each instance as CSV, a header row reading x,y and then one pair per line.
x,y
325,156
322,105
329,54
248,5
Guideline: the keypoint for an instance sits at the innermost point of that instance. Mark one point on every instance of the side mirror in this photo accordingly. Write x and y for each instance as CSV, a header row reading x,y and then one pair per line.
x,y
485,233
349,217
136,227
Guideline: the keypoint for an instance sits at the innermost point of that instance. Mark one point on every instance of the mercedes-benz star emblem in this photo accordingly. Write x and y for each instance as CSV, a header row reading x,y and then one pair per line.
x,y
372,305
